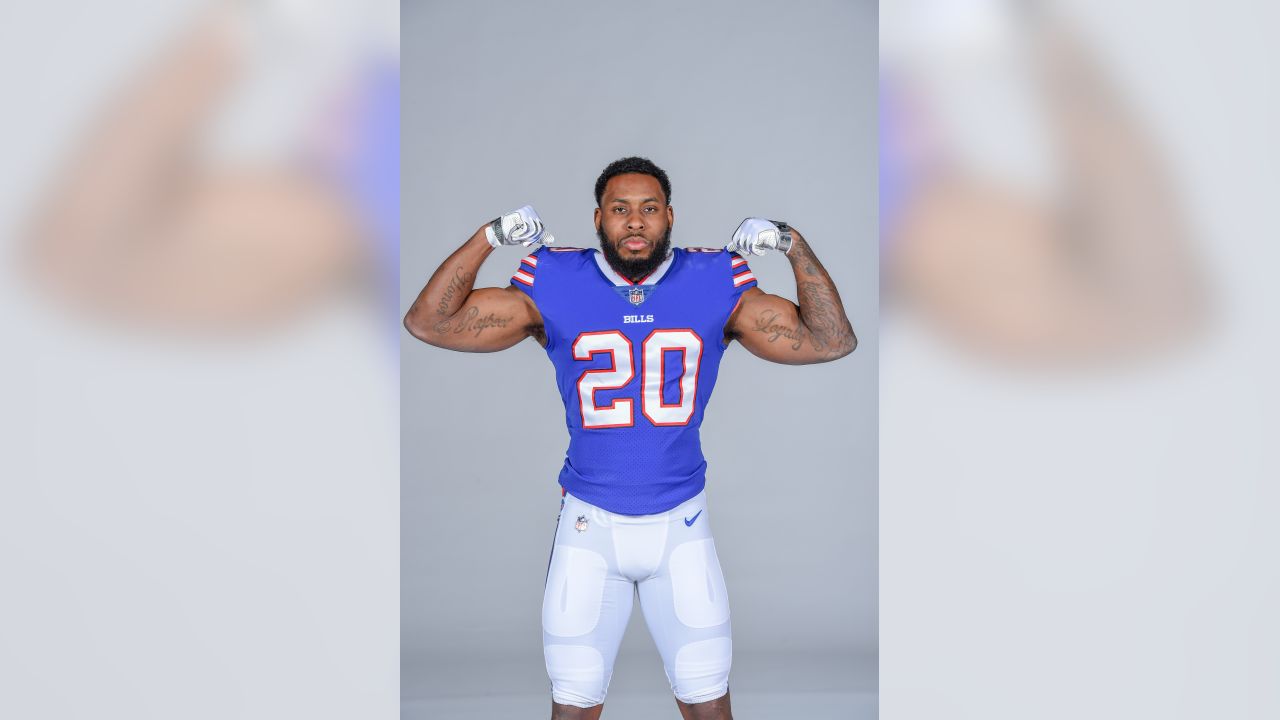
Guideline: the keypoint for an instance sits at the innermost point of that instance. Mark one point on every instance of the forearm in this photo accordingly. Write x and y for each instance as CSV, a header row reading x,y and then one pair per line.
x,y
449,287
451,313
821,313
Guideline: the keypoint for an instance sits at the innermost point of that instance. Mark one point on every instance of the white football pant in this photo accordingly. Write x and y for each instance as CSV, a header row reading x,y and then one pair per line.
x,y
600,561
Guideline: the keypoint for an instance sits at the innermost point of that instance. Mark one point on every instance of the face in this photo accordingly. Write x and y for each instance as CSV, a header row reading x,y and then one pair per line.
x,y
634,219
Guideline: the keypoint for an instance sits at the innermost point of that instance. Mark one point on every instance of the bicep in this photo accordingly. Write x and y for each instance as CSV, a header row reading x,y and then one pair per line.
x,y
769,327
489,320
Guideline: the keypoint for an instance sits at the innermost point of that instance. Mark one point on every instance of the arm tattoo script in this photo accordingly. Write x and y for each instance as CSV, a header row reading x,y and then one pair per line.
x,y
768,323
460,280
470,321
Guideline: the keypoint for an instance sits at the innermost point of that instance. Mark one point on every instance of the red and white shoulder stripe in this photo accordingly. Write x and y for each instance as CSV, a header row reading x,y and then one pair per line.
x,y
741,271
526,273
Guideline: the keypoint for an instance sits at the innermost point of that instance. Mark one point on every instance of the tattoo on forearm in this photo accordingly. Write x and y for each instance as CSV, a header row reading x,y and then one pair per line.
x,y
821,312
820,308
470,321
461,279
767,323
805,259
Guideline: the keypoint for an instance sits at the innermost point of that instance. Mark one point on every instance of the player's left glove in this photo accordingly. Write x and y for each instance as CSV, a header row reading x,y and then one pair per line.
x,y
756,236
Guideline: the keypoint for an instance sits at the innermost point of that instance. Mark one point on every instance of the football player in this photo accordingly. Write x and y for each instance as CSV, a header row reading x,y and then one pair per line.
x,y
635,331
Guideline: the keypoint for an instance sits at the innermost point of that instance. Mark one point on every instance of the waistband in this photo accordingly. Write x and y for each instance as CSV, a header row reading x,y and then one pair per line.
x,y
601,516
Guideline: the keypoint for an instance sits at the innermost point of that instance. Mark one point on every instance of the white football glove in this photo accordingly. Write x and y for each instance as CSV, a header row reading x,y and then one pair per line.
x,y
518,227
755,236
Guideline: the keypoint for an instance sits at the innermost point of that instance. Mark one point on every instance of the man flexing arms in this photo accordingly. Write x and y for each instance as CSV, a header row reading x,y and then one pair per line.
x,y
635,332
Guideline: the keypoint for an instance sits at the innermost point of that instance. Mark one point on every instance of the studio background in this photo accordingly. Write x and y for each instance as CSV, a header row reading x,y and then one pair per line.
x,y
752,109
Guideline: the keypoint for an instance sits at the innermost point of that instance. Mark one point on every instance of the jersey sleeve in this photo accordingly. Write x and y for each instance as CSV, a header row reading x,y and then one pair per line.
x,y
527,273
740,280
743,278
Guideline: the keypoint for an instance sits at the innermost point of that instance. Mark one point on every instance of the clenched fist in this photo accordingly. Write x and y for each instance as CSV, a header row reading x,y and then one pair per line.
x,y
518,227
755,236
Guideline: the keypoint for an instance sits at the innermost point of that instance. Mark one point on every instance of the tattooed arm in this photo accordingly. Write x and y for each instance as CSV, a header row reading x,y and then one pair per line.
x,y
450,313
775,329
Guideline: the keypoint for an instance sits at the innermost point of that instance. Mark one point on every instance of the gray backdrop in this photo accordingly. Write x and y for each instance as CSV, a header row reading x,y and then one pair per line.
x,y
753,109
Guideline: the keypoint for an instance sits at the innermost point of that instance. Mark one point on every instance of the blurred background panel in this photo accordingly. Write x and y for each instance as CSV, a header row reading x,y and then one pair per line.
x,y
199,489
1079,342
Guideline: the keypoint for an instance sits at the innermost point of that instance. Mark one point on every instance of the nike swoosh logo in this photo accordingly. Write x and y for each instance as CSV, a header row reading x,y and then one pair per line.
x,y
689,523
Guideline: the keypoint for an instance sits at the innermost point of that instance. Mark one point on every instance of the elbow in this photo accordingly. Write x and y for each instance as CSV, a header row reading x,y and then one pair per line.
x,y
850,346
420,330
846,346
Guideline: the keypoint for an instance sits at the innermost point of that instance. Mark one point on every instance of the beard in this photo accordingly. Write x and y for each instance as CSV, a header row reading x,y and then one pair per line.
x,y
635,270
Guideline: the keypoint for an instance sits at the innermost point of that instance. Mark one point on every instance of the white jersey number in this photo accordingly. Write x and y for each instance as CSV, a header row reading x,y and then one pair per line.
x,y
586,347
657,349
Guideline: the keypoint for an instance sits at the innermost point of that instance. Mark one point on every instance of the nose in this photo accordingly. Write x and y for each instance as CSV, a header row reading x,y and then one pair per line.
x,y
635,221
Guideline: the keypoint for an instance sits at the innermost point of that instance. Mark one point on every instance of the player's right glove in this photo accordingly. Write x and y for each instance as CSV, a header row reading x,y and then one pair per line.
x,y
519,227
755,236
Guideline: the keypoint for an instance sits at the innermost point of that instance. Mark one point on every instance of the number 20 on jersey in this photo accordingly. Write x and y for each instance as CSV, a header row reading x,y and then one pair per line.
x,y
622,370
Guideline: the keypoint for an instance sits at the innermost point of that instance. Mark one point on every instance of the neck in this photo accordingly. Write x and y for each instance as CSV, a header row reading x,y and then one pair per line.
x,y
635,278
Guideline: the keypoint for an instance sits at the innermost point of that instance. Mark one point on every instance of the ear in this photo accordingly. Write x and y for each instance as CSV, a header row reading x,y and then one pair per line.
x,y
671,216
597,218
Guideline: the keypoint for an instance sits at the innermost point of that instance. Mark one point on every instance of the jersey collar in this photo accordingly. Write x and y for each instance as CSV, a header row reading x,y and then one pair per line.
x,y
652,279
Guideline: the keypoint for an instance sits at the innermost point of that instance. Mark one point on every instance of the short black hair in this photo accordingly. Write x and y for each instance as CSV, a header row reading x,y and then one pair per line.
x,y
642,166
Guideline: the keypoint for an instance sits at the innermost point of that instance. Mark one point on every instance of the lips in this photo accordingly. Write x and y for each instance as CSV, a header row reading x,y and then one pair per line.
x,y
635,243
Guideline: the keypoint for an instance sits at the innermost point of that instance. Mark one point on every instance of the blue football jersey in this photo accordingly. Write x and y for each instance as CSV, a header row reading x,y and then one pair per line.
x,y
635,364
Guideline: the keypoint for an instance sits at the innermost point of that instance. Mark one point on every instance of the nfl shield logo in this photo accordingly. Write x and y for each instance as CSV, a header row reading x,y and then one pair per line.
x,y
636,296
581,525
